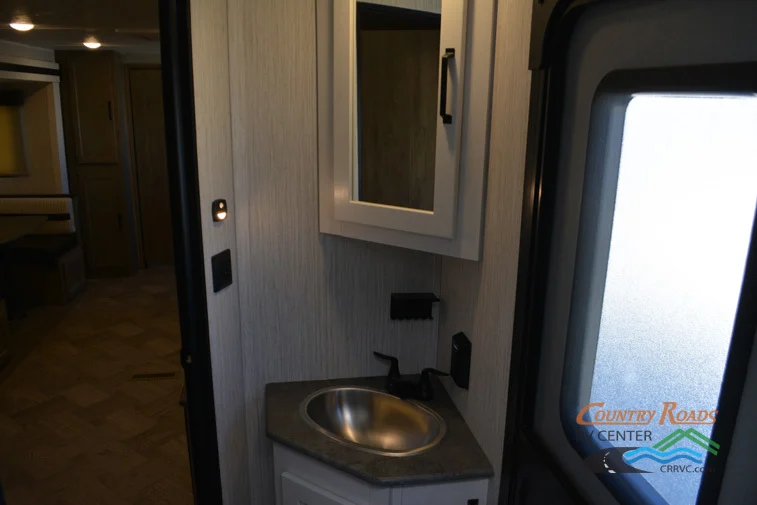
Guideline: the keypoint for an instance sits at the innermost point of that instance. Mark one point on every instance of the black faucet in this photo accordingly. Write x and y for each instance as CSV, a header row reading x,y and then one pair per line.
x,y
394,371
406,389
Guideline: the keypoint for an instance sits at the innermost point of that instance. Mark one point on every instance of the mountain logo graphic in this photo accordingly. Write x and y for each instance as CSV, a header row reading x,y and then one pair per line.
x,y
662,453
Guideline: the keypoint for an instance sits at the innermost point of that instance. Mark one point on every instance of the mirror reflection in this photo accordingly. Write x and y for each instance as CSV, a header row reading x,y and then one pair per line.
x,y
398,54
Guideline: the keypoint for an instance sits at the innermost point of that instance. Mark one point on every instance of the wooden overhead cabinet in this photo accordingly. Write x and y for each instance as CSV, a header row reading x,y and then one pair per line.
x,y
92,91
91,87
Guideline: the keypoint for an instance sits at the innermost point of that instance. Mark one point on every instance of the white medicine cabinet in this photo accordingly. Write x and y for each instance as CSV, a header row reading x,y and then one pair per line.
x,y
404,90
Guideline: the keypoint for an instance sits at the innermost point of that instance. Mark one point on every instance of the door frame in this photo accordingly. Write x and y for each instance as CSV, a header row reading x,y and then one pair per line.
x,y
181,153
552,25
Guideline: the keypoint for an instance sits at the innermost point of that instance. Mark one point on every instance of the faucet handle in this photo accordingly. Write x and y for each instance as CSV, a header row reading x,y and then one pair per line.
x,y
425,389
432,371
394,369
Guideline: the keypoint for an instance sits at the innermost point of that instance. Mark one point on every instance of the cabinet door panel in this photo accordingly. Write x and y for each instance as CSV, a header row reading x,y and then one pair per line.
x,y
440,221
91,81
151,166
105,244
296,491
447,220
452,493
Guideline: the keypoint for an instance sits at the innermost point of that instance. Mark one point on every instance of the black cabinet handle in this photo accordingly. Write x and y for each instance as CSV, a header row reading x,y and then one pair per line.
x,y
448,55
110,110
120,222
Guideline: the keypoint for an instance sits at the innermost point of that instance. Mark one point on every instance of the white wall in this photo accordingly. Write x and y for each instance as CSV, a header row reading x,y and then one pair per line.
x,y
10,52
42,126
479,297
313,306
214,159
45,157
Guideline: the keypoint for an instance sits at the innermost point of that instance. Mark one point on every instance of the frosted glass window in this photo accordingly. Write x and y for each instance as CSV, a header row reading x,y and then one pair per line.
x,y
685,205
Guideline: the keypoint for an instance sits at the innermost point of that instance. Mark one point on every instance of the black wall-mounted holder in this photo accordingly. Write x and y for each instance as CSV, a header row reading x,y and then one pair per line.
x,y
412,305
459,367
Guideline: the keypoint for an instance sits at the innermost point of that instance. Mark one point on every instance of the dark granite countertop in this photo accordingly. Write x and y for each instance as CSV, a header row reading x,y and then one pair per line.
x,y
457,457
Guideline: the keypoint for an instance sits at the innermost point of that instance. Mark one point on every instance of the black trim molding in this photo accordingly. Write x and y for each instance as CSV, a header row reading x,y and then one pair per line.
x,y
181,150
734,379
551,21
28,69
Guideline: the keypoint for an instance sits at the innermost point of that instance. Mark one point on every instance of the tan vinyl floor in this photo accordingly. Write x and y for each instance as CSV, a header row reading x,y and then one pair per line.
x,y
75,427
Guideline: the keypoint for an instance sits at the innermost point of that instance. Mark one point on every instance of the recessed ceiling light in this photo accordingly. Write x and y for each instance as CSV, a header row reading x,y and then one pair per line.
x,y
91,43
22,24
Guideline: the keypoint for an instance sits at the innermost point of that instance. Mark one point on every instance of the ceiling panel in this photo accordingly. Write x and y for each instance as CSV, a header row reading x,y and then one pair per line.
x,y
128,26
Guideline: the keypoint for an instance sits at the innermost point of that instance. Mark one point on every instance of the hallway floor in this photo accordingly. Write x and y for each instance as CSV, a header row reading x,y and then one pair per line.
x,y
76,427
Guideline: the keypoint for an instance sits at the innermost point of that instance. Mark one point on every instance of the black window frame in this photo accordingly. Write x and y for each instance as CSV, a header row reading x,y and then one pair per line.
x,y
553,23
617,89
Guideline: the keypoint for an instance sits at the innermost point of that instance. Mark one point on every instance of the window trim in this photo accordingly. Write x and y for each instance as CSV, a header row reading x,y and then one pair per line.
x,y
611,99
554,25
594,235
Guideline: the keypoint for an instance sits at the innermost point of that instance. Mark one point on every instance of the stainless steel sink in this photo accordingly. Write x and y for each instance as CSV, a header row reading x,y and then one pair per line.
x,y
373,421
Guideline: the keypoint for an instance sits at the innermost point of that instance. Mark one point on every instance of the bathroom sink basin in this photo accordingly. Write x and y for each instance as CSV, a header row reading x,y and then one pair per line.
x,y
373,421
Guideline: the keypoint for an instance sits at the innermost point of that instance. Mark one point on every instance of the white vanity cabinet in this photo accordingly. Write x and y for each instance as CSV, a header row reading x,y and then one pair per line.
x,y
301,480
297,491
404,90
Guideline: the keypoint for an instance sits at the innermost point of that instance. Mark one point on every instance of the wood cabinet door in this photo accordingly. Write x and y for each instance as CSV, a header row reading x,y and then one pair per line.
x,y
98,174
106,247
151,166
91,87
296,491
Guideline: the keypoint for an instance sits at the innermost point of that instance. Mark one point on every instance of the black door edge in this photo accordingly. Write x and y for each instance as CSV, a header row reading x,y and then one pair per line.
x,y
551,26
181,151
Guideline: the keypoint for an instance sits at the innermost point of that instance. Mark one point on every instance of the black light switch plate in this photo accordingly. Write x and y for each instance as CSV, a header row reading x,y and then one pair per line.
x,y
412,305
221,265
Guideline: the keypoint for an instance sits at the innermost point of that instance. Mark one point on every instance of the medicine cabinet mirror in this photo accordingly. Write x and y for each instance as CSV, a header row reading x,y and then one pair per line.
x,y
403,98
